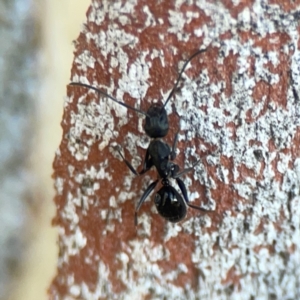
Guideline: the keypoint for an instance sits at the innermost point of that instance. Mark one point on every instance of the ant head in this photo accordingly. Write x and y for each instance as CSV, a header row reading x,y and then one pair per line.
x,y
156,124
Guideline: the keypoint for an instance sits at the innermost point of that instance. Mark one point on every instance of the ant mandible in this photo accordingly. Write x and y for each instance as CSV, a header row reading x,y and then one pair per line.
x,y
169,203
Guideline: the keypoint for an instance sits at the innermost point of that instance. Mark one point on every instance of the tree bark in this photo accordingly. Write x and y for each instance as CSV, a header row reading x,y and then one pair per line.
x,y
236,109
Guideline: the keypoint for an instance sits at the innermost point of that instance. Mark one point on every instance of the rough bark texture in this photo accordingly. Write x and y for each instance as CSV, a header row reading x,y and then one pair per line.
x,y
237,107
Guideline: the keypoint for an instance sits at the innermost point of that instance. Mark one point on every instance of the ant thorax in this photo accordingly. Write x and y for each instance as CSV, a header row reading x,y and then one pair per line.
x,y
159,153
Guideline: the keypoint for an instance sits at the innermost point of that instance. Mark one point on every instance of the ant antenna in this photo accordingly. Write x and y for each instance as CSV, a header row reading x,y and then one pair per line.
x,y
108,96
130,107
180,74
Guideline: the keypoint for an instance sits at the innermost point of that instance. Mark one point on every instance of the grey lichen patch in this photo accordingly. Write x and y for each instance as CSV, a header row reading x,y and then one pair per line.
x,y
78,204
150,21
85,60
177,22
75,242
111,40
171,231
72,244
59,185
94,119
104,287
138,73
69,212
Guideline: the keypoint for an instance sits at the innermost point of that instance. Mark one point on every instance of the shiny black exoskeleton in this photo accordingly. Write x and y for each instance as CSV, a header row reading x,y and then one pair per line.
x,y
169,203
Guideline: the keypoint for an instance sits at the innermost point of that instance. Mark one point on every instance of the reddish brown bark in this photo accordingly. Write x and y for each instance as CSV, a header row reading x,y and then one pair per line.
x,y
237,103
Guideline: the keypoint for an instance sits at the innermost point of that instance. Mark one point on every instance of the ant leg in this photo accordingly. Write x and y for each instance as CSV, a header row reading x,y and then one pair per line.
x,y
147,163
117,147
129,165
175,176
174,146
149,189
179,174
185,196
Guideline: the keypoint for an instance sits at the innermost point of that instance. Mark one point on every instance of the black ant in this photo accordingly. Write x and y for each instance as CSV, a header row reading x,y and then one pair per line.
x,y
169,203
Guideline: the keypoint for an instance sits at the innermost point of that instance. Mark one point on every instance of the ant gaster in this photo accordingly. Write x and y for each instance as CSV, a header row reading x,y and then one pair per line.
x,y
169,203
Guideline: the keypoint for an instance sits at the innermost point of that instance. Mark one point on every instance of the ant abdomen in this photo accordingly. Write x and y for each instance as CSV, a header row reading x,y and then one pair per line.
x,y
169,204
